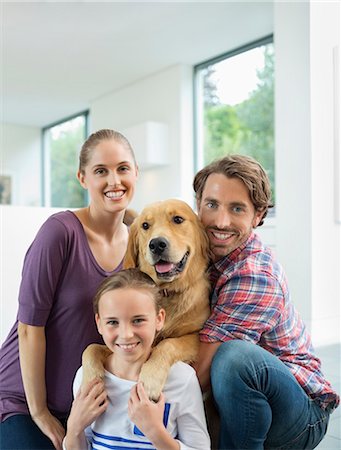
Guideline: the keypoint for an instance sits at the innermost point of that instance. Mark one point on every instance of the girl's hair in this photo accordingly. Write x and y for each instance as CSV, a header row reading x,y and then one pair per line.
x,y
246,169
94,139
128,279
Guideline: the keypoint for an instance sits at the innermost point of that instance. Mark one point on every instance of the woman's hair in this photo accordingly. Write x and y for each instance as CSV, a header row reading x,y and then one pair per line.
x,y
128,279
94,139
246,169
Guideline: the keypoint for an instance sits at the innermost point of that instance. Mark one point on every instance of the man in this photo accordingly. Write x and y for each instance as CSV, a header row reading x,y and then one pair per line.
x,y
255,350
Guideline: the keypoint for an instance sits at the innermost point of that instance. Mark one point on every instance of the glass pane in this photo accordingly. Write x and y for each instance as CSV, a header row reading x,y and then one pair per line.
x,y
236,108
62,146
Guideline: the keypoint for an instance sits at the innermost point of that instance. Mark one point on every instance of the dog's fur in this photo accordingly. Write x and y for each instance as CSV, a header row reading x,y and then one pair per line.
x,y
168,242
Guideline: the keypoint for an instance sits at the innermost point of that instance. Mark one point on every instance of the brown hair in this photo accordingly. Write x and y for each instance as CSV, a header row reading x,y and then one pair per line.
x,y
129,279
94,139
246,169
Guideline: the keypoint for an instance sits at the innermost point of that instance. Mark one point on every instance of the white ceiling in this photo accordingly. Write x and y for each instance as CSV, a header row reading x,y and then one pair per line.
x,y
59,56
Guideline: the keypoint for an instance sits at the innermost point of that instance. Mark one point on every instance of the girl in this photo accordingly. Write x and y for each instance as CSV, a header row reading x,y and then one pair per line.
x,y
71,254
128,317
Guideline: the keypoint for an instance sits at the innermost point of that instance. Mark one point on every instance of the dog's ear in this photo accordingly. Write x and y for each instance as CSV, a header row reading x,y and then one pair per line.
x,y
129,216
131,257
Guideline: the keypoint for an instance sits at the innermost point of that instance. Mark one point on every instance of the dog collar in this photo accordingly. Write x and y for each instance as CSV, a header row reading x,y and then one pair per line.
x,y
167,293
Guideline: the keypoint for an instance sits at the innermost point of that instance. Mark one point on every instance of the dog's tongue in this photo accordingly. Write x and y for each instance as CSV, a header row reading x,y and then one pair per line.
x,y
164,267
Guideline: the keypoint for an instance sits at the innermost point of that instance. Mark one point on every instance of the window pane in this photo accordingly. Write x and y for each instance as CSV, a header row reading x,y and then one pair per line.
x,y
62,144
236,108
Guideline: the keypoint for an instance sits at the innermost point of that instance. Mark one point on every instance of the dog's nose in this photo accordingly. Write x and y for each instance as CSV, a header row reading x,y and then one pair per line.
x,y
158,245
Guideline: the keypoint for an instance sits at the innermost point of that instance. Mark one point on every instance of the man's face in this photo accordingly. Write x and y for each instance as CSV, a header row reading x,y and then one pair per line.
x,y
227,214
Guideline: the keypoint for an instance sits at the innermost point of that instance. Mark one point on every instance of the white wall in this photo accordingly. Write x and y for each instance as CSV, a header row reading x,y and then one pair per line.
x,y
307,237
21,159
326,232
293,143
18,227
164,97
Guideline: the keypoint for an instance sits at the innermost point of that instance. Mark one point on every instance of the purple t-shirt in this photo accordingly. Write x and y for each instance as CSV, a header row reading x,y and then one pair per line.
x,y
59,280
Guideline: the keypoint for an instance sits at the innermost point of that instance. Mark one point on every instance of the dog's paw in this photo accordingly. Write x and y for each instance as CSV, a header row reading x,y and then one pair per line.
x,y
153,379
91,373
93,359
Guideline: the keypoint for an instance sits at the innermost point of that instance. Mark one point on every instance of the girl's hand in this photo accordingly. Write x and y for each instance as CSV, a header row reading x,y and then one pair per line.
x,y
90,402
146,415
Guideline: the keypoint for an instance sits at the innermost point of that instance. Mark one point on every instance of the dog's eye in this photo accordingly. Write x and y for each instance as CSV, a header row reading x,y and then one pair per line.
x,y
145,225
178,219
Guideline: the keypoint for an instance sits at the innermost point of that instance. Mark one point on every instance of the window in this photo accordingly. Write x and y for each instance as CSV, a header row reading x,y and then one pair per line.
x,y
235,106
61,146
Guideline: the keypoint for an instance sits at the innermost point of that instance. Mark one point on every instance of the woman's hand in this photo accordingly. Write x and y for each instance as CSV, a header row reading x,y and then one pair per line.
x,y
51,427
32,350
90,402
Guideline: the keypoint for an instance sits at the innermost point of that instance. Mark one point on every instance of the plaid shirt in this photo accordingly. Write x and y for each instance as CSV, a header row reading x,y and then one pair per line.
x,y
250,300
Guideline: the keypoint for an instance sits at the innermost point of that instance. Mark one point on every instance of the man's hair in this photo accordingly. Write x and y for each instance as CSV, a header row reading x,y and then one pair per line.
x,y
246,169
128,279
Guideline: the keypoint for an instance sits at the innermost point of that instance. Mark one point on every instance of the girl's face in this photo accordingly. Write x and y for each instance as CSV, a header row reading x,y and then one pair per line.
x,y
110,176
128,322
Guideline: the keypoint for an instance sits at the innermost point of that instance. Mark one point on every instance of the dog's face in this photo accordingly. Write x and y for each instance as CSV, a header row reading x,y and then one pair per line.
x,y
168,242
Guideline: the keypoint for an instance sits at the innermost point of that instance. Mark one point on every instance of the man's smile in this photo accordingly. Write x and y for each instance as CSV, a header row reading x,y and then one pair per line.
x,y
221,235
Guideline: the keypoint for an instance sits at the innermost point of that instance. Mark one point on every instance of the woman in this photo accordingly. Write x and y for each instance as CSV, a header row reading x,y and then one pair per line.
x,y
71,254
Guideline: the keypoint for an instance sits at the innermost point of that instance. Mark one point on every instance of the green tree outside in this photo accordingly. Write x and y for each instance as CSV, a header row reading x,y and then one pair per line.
x,y
65,142
246,128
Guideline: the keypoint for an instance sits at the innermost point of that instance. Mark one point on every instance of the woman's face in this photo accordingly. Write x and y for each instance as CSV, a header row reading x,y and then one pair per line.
x,y
110,176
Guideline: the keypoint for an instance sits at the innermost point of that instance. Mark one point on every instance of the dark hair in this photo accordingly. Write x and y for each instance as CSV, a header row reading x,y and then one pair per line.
x,y
129,279
94,139
245,168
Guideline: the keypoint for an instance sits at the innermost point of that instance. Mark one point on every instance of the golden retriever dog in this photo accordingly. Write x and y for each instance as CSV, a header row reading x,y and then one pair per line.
x,y
168,242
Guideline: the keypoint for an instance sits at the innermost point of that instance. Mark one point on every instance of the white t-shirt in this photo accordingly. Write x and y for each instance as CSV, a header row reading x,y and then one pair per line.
x,y
184,415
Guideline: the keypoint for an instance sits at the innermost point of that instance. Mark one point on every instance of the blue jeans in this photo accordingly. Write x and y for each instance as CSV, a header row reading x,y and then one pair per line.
x,y
19,432
260,403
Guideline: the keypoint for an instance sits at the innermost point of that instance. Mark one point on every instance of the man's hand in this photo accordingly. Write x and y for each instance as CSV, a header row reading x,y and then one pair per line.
x,y
203,364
